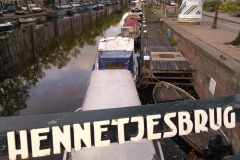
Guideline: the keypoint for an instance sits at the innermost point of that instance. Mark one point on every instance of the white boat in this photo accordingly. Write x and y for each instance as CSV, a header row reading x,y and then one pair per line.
x,y
98,7
26,25
114,89
117,53
6,27
27,20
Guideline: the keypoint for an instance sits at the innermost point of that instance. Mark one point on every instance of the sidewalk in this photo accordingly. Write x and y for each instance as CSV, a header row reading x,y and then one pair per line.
x,y
223,16
214,37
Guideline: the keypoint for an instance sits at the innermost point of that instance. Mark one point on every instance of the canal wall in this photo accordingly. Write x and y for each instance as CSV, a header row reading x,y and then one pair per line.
x,y
208,63
28,39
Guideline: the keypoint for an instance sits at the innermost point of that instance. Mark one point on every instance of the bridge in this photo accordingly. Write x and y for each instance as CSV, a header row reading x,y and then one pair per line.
x,y
22,135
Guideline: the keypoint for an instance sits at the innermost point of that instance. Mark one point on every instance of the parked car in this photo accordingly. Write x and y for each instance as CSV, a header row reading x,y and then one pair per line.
x,y
171,2
43,8
34,8
24,7
58,6
8,9
19,11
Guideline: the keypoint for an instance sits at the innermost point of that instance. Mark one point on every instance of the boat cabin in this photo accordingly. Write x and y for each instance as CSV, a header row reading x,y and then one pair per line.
x,y
117,53
114,89
6,27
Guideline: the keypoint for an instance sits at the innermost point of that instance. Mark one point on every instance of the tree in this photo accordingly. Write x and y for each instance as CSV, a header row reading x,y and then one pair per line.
x,y
237,40
214,25
28,9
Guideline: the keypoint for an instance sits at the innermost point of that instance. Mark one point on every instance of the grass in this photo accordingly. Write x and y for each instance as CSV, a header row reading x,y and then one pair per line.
x,y
172,42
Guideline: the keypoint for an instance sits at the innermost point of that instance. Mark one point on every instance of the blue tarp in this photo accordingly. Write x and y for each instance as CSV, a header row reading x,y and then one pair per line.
x,y
115,60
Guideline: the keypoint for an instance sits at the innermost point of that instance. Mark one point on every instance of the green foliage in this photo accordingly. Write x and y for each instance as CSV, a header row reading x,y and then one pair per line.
x,y
9,4
225,7
172,42
148,5
207,5
230,7
47,2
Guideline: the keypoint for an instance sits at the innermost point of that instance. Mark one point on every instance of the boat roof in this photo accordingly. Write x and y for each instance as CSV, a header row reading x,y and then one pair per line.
x,y
115,54
141,150
6,24
116,43
131,22
133,16
110,89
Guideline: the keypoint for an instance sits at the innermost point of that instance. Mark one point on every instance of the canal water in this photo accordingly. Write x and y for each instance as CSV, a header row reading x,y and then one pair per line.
x,y
55,80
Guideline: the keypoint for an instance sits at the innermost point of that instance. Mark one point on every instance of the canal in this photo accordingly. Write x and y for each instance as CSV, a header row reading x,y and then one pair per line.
x,y
53,78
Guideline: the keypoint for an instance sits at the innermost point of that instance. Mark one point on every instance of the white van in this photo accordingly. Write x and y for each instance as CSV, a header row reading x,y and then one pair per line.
x,y
34,8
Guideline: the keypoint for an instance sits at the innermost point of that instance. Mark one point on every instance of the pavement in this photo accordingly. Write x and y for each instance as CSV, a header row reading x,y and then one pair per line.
x,y
216,38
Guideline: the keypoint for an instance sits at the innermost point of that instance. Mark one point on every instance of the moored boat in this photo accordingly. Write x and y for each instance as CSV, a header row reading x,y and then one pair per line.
x,y
27,20
117,53
26,25
132,23
114,89
98,7
6,27
133,16
167,92
137,10
132,28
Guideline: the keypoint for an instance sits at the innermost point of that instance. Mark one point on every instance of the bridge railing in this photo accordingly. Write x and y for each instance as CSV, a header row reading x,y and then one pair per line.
x,y
39,134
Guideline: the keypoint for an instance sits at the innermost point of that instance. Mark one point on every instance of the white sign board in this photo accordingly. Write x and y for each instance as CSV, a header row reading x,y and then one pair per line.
x,y
215,116
212,85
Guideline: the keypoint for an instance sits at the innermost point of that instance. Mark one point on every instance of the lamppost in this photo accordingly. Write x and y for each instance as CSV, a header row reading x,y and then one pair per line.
x,y
214,25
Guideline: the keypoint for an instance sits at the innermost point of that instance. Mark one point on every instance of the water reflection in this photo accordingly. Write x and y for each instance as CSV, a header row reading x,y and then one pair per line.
x,y
52,77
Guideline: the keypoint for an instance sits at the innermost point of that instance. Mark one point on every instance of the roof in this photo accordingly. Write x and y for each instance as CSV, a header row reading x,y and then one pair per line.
x,y
115,54
141,150
110,89
131,22
133,16
116,43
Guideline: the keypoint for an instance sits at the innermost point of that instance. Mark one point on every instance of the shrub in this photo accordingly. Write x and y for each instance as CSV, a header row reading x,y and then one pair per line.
x,y
172,42
225,7
230,7
207,5
148,5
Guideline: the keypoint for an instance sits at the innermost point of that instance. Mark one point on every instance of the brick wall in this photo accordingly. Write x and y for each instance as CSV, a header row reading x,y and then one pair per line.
x,y
207,65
